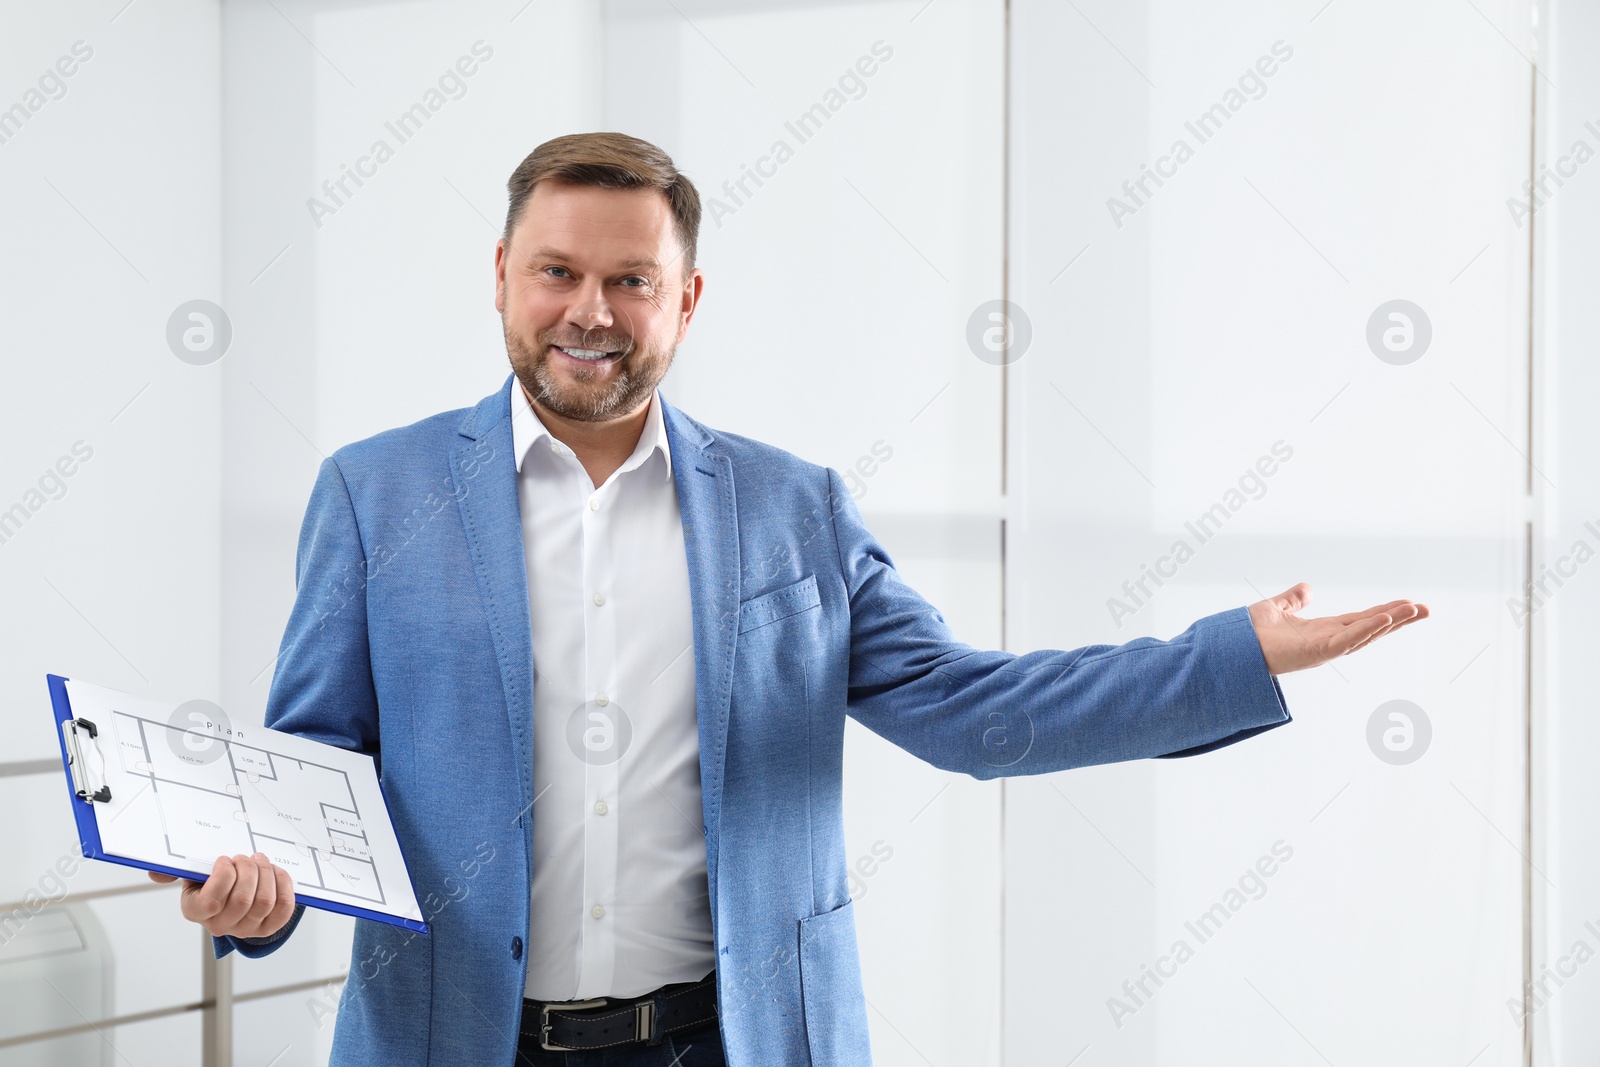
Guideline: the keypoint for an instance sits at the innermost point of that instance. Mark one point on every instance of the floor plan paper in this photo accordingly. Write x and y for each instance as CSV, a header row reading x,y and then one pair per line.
x,y
187,788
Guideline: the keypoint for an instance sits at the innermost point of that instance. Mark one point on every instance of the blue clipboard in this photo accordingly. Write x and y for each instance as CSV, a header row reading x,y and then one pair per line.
x,y
85,815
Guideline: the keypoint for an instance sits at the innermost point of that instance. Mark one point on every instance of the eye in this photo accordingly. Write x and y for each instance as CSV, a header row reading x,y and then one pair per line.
x,y
563,271
635,278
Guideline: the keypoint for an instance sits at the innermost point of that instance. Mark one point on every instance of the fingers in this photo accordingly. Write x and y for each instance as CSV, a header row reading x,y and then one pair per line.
x,y
1357,634
1402,609
1401,624
1422,613
1404,615
162,878
1378,609
224,898
243,894
204,904
1364,627
1371,637
246,896
266,896
1340,635
283,911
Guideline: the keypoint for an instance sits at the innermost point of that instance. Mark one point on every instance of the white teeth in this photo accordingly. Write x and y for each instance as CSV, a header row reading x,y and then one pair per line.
x,y
584,353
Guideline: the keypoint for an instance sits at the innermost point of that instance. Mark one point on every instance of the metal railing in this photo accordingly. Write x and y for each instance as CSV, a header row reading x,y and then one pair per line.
x,y
217,997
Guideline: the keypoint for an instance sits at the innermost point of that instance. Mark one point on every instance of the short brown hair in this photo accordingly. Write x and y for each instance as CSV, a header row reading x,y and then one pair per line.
x,y
612,161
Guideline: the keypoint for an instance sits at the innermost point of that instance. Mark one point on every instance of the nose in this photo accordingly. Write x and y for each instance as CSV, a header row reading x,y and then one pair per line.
x,y
589,309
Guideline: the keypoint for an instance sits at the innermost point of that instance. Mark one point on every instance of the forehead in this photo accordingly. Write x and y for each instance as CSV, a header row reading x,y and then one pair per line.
x,y
595,222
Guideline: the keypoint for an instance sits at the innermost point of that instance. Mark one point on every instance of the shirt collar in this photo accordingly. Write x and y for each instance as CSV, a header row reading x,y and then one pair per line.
x,y
527,430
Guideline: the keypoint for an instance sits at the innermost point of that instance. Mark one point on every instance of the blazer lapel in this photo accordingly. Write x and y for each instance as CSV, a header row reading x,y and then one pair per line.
x,y
704,480
483,473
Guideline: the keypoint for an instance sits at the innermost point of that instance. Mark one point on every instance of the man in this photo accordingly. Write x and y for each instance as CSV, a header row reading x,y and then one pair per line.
x,y
604,656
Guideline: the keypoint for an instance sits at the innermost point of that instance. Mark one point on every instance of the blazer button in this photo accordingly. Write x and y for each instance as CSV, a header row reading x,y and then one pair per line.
x,y
516,948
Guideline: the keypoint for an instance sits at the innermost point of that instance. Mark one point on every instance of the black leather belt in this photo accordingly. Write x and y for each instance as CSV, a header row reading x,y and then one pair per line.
x,y
574,1025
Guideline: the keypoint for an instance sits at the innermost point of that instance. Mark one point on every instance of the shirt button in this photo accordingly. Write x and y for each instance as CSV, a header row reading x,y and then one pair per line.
x,y
602,700
600,807
599,601
516,948
594,503
597,911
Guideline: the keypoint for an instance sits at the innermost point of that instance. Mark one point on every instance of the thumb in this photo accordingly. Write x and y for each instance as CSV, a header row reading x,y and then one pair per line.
x,y
189,884
1294,598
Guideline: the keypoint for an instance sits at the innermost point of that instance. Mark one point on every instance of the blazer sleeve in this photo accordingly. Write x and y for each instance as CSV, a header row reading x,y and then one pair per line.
x,y
322,688
990,713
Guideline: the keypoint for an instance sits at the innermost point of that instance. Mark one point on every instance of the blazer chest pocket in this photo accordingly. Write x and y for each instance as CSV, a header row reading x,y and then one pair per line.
x,y
779,604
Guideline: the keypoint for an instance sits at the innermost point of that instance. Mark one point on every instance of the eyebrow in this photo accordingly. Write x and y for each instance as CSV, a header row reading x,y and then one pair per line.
x,y
632,264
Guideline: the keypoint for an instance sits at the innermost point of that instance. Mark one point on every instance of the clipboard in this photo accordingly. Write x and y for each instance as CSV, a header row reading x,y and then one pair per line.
x,y
91,775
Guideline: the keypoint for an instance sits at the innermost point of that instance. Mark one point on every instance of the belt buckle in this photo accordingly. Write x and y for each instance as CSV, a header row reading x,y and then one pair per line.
x,y
568,1005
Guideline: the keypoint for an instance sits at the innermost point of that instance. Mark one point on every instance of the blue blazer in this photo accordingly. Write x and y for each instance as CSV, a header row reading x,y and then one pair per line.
x,y
410,640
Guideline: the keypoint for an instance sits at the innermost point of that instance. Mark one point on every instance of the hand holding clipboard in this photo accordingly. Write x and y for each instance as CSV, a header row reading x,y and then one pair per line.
x,y
245,896
255,820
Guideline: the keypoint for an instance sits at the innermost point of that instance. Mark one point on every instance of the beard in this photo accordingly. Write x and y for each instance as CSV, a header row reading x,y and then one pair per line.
x,y
592,394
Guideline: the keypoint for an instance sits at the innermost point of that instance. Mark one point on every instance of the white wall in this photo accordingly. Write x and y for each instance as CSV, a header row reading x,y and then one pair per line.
x,y
1225,313
1568,229
112,220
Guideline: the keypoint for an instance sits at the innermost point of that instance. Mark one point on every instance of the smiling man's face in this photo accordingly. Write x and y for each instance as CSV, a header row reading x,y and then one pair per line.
x,y
593,298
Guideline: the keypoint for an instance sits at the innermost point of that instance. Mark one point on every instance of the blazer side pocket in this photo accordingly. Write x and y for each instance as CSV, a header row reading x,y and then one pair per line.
x,y
830,989
779,604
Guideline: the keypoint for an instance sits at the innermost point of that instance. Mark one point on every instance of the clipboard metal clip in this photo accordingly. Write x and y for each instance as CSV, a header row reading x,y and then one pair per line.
x,y
78,766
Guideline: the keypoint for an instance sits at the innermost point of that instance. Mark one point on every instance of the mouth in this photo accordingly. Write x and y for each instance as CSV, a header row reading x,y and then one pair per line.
x,y
590,356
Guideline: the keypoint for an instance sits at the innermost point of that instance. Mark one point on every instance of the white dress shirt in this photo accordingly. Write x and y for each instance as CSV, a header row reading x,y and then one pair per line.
x,y
619,900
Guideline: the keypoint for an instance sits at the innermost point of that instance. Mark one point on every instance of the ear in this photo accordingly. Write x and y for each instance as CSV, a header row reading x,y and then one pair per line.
x,y
693,286
500,275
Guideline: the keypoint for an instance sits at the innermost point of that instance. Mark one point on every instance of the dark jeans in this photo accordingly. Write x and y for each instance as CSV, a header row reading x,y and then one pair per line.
x,y
698,1046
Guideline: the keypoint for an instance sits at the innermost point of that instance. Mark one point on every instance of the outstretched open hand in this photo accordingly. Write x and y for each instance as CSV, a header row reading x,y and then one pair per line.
x,y
1290,643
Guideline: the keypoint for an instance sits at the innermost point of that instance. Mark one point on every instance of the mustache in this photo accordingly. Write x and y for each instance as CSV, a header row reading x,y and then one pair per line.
x,y
591,340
